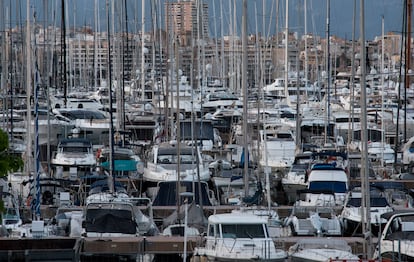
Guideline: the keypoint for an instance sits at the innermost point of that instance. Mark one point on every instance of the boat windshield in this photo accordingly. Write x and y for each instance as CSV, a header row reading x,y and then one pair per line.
x,y
374,202
75,149
299,168
83,114
243,231
173,159
334,186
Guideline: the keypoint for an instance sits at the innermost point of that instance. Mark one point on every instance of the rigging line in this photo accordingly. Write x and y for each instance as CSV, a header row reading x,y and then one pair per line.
x,y
36,78
160,53
123,65
397,142
270,21
315,43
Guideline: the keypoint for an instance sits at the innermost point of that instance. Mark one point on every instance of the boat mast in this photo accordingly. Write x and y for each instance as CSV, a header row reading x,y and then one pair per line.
x,y
297,129
366,206
267,169
382,93
11,73
5,69
244,88
200,36
407,62
287,53
111,126
63,55
328,68
28,105
352,80
177,121
142,51
305,15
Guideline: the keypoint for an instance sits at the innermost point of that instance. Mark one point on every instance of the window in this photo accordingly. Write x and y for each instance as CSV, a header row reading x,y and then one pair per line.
x,y
243,231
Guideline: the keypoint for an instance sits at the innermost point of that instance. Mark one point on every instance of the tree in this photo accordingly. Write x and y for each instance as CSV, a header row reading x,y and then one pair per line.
x,y
8,161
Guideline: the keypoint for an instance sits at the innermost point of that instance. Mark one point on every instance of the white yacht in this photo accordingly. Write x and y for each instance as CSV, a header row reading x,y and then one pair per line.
x,y
88,123
327,186
239,237
397,238
277,148
222,100
50,128
351,213
296,178
73,157
113,213
166,158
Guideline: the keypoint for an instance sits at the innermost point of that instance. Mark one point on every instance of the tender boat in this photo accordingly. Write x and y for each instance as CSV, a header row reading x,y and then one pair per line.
x,y
321,250
239,237
314,221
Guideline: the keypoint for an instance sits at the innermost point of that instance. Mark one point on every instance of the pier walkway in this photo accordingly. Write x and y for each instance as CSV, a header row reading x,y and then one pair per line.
x,y
93,249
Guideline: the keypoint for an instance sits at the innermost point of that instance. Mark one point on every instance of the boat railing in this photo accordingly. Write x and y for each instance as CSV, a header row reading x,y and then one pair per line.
x,y
252,247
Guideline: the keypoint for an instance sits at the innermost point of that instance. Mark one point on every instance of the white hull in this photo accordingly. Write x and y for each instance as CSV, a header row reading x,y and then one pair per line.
x,y
76,159
322,255
156,173
397,238
96,131
165,160
238,236
321,250
243,250
72,155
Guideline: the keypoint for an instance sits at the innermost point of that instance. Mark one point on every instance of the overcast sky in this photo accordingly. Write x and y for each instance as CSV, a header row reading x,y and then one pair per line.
x,y
81,12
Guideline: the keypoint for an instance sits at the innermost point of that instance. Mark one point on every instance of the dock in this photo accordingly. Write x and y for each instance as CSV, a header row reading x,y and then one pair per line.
x,y
129,248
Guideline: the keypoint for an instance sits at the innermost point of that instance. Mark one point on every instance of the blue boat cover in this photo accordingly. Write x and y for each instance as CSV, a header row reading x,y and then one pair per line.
x,y
122,165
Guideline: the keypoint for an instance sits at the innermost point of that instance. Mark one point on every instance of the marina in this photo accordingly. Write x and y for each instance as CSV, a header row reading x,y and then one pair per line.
x,y
195,132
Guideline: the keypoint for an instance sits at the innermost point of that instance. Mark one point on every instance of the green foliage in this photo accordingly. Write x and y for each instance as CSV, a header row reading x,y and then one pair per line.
x,y
4,141
8,162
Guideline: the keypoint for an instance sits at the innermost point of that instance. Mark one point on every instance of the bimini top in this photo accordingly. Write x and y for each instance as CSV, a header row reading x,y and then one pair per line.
x,y
325,166
75,142
236,218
